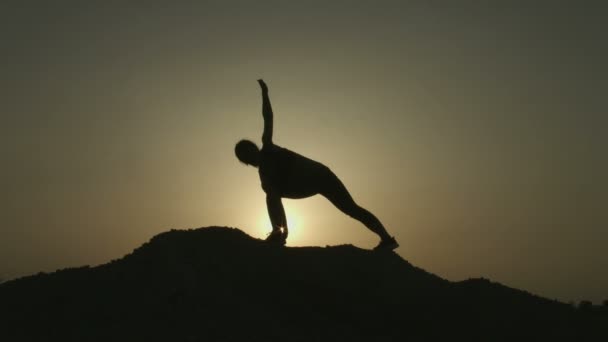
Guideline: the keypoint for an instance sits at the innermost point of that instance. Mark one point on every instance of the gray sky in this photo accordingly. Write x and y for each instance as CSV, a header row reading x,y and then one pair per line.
x,y
474,130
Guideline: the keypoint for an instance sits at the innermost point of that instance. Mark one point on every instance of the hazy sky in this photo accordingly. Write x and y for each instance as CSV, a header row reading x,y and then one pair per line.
x,y
476,131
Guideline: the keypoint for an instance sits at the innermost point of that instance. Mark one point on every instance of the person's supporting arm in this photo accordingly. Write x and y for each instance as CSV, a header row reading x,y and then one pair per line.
x,y
276,213
267,113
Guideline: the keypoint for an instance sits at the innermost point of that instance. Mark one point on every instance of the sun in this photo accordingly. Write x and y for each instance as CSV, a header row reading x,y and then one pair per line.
x,y
294,223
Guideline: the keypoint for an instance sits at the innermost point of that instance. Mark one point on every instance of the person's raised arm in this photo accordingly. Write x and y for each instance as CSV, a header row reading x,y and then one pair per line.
x,y
267,113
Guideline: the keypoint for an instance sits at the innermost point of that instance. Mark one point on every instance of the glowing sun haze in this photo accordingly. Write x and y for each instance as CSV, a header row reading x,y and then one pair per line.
x,y
475,132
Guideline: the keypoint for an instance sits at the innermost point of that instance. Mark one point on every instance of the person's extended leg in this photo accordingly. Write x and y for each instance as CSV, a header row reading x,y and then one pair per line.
x,y
335,191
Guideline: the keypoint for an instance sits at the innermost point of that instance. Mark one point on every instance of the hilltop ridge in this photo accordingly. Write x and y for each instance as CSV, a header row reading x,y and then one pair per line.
x,y
218,283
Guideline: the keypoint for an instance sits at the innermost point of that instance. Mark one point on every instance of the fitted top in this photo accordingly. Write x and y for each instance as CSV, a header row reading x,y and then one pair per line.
x,y
288,174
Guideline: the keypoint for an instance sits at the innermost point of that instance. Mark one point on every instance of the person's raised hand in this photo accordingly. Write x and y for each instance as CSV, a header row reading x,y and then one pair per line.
x,y
263,85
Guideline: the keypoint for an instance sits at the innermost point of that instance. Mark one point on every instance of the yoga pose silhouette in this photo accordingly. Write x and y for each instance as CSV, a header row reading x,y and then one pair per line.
x,y
286,174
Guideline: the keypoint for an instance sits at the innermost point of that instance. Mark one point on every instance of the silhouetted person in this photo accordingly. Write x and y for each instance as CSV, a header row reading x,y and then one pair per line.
x,y
286,174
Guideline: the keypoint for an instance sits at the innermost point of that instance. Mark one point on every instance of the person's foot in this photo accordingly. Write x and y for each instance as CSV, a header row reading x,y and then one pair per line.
x,y
276,238
387,244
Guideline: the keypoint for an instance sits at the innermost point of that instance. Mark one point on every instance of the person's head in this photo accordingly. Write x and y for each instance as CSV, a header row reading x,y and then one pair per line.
x,y
247,152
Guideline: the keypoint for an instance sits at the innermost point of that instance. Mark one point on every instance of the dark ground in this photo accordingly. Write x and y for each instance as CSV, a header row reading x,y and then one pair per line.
x,y
219,284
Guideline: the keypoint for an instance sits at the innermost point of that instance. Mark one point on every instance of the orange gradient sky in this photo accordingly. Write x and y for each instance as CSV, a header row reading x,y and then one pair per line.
x,y
475,132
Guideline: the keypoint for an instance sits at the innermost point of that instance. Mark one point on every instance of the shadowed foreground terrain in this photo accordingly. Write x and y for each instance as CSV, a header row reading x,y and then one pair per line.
x,y
219,284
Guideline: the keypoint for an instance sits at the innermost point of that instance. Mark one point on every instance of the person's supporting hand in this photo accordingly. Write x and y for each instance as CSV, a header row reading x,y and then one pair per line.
x,y
263,85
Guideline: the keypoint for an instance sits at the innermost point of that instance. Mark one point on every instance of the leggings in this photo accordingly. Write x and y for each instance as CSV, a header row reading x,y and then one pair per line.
x,y
334,190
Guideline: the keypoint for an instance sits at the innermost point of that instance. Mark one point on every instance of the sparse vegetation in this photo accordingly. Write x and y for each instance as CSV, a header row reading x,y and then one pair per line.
x,y
585,305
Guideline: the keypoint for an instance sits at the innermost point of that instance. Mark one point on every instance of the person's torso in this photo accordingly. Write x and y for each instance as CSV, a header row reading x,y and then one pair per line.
x,y
289,174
